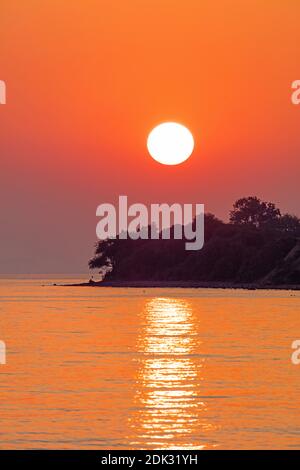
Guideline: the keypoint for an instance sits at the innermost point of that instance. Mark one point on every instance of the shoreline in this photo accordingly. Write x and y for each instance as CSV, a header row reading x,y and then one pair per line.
x,y
182,285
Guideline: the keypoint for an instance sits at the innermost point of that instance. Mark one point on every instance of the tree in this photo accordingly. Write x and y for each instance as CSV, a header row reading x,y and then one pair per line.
x,y
103,258
252,211
289,224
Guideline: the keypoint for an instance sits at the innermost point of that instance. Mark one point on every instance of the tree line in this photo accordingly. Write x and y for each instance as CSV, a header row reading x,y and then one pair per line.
x,y
258,243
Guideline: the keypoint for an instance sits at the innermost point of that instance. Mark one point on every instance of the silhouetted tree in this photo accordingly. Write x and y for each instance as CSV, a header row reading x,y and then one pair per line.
x,y
289,224
253,211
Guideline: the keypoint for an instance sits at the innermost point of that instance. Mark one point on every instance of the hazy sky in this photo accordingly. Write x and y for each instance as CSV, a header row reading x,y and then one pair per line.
x,y
88,79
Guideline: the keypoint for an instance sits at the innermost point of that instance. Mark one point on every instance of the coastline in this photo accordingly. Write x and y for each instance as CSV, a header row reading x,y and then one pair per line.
x,y
183,285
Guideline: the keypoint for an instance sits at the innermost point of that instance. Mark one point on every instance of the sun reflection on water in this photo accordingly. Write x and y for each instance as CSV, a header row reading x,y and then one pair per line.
x,y
168,410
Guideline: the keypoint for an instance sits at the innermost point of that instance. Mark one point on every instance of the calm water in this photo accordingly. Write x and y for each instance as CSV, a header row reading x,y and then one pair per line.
x,y
147,369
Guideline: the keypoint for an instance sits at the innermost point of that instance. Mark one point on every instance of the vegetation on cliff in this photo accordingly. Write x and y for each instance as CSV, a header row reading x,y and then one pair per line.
x,y
257,245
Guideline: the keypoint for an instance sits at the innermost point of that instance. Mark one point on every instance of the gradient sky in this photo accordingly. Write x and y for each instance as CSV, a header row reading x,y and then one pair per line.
x,y
88,79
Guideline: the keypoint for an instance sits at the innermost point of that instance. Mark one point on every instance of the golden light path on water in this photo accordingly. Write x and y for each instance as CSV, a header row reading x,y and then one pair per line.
x,y
168,382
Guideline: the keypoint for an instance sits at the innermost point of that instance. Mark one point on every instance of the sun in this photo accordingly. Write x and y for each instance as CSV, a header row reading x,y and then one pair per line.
x,y
170,143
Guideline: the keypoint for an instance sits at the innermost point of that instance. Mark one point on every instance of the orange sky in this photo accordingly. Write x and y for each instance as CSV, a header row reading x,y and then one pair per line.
x,y
88,79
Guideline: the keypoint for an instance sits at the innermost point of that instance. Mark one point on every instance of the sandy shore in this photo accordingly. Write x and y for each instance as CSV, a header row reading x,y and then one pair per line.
x,y
182,284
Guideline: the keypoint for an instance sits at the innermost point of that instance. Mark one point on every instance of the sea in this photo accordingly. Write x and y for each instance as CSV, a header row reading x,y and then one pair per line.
x,y
137,368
